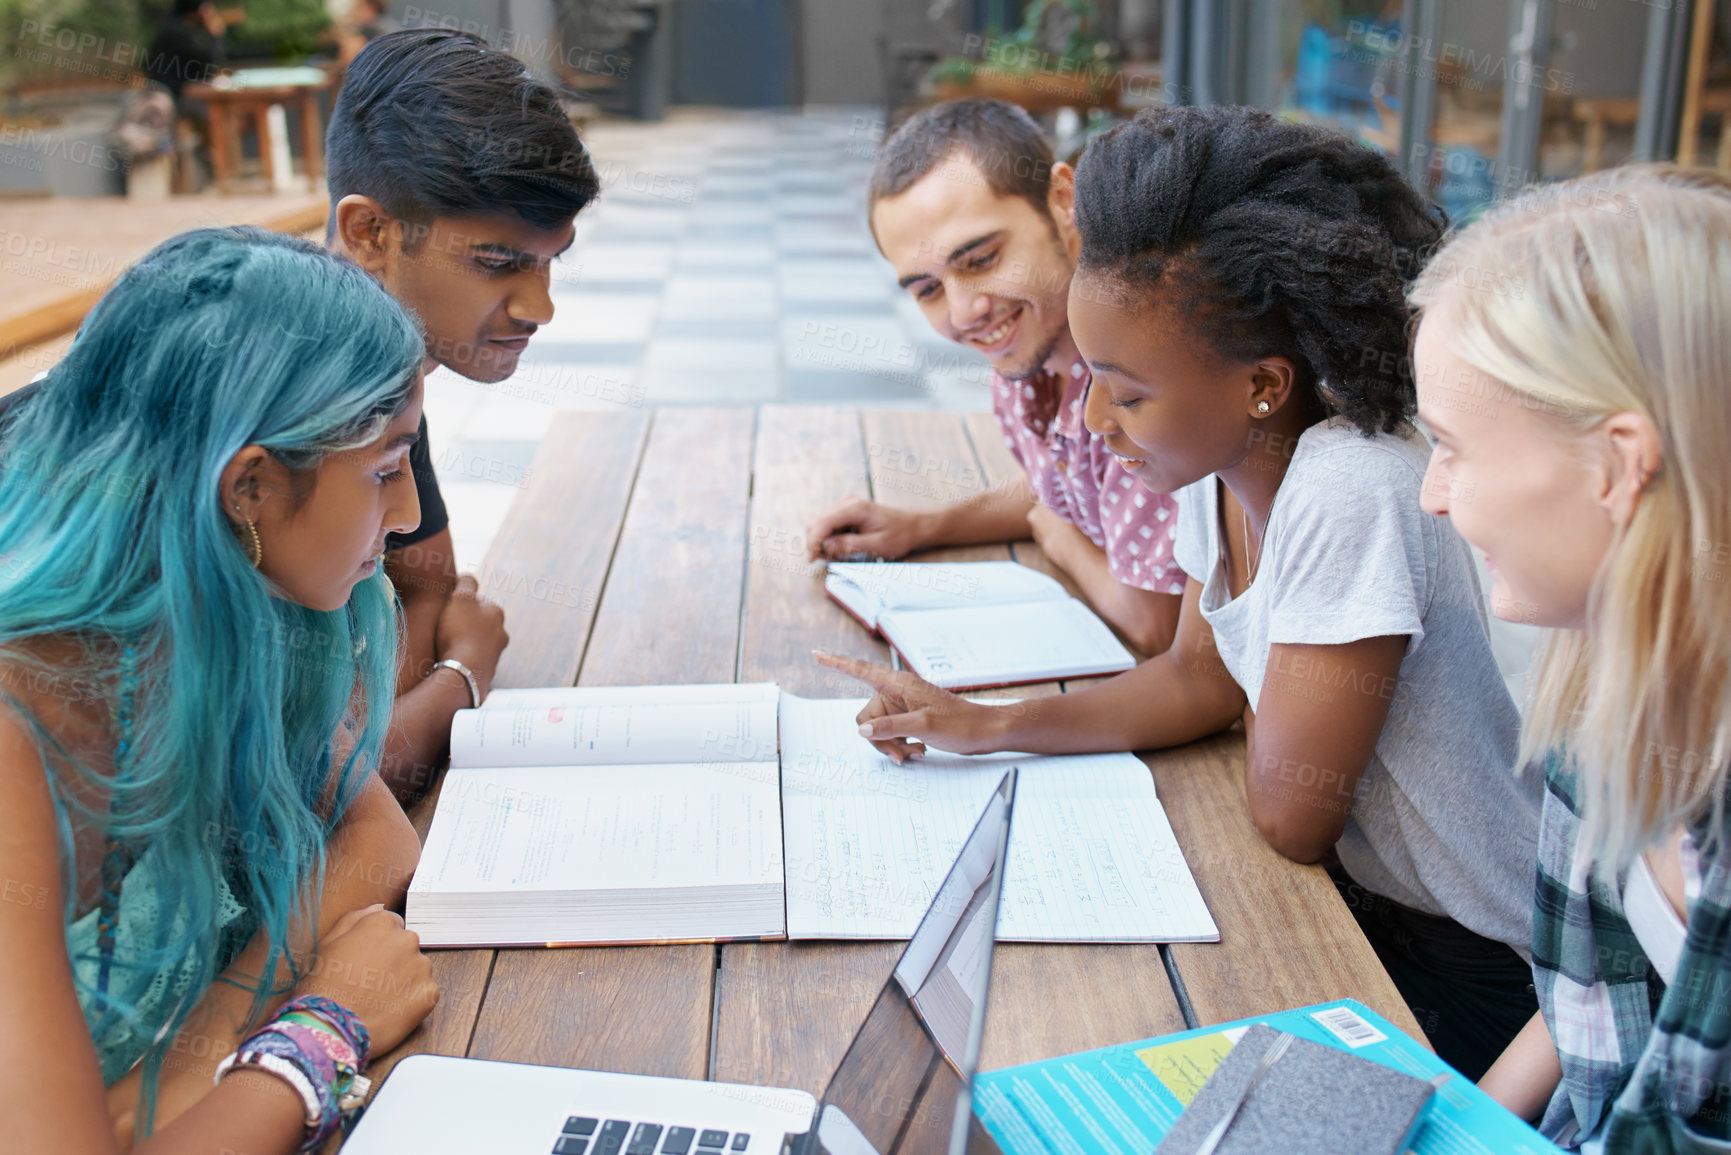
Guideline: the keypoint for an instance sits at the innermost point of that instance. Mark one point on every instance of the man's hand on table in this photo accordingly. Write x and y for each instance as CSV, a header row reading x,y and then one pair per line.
x,y
855,525
471,629
908,713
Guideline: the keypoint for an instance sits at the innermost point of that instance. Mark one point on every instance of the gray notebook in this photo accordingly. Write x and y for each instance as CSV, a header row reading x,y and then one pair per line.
x,y
1315,1100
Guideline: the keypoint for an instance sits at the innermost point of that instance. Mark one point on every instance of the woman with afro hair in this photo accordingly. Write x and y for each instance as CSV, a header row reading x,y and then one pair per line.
x,y
1241,299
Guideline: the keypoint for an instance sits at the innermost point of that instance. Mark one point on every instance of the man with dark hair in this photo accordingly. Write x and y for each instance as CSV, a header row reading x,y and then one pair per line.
x,y
455,178
978,222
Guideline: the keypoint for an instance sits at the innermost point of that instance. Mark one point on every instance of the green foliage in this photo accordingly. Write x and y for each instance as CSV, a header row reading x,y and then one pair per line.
x,y
50,38
286,30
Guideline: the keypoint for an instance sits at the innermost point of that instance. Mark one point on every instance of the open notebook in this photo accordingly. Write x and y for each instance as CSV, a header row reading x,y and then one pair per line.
x,y
973,625
674,813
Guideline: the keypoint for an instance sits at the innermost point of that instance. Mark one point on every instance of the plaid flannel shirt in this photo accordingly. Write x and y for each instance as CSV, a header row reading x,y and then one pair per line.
x,y
1646,1067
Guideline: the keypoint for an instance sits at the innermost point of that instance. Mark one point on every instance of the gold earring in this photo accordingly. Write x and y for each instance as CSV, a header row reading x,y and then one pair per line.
x,y
1262,408
256,553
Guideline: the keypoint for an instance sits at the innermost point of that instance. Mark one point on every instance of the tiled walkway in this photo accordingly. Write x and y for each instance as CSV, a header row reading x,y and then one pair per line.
x,y
728,262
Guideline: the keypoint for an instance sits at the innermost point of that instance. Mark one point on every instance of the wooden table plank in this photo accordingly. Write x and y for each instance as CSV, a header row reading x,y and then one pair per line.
x,y
670,614
547,566
673,596
806,460
1286,938
785,1011
548,562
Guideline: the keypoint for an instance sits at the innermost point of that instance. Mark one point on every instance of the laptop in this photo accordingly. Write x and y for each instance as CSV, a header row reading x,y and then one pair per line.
x,y
904,1087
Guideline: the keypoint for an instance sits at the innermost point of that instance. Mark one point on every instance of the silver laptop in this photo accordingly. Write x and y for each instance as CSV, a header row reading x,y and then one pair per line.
x,y
904,1087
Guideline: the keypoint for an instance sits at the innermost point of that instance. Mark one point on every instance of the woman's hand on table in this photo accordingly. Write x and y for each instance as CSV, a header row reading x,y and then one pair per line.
x,y
908,713
372,964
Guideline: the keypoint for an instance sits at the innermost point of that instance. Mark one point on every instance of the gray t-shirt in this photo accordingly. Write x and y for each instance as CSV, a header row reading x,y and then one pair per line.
x,y
1440,822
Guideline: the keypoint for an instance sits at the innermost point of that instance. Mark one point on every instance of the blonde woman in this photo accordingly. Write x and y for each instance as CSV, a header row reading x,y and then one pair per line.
x,y
1574,366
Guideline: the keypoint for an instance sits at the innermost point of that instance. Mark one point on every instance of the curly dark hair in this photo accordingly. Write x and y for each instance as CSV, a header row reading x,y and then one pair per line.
x,y
1272,238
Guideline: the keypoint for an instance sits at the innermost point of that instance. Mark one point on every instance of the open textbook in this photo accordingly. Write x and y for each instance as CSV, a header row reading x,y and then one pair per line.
x,y
972,625
714,813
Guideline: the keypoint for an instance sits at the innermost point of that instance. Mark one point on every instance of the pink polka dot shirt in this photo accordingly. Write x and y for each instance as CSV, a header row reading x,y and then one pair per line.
x,y
1076,476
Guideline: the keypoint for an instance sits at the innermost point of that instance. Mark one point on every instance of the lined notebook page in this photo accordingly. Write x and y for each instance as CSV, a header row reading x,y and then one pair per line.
x,y
1092,856
1005,644
871,588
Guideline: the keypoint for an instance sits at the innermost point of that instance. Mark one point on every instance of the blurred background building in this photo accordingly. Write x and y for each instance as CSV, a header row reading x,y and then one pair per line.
x,y
1474,97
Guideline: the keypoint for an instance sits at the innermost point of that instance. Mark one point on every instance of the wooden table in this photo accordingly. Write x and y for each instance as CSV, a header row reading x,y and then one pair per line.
x,y
665,546
248,94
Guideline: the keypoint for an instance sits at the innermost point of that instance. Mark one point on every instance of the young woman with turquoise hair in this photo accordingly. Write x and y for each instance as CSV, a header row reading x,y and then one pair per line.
x,y
197,658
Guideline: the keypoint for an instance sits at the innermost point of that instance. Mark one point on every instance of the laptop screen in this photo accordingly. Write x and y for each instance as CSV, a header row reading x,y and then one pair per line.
x,y
905,1085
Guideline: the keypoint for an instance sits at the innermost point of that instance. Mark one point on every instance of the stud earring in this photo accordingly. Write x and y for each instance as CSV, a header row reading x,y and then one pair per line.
x,y
1262,408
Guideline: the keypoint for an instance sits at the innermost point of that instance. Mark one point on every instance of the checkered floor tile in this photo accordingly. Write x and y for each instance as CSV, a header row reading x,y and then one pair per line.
x,y
728,262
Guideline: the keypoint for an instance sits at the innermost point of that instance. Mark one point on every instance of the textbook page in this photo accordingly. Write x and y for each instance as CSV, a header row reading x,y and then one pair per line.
x,y
618,725
871,588
982,646
537,855
1092,857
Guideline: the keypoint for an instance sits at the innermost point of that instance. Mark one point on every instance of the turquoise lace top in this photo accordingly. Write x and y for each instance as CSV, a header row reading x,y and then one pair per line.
x,y
156,994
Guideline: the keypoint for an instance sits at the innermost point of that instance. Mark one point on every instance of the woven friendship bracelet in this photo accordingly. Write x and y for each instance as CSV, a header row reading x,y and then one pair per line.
x,y
347,1023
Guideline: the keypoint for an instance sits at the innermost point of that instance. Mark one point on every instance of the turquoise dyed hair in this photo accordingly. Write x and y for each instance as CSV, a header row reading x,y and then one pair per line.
x,y
113,535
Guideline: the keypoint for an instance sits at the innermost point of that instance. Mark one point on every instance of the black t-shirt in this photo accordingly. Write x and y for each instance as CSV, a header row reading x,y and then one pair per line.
x,y
434,518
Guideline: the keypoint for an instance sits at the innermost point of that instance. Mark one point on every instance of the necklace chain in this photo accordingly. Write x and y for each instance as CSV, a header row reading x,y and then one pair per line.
x,y
1250,566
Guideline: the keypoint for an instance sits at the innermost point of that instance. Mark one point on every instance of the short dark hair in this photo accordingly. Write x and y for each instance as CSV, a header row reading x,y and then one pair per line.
x,y
433,122
999,137
1272,237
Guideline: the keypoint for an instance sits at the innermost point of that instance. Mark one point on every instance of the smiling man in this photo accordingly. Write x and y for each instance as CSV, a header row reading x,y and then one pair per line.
x,y
979,225
455,179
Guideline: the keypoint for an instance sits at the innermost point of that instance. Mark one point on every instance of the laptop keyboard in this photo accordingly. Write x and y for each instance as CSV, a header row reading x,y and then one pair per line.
x,y
583,1135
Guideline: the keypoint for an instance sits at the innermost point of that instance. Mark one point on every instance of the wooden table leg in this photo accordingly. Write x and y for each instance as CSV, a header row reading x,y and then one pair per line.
x,y
222,148
312,144
261,123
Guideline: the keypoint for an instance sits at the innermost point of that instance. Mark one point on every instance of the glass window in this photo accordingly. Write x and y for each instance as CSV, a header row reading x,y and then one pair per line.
x,y
1340,62
1592,97
1470,60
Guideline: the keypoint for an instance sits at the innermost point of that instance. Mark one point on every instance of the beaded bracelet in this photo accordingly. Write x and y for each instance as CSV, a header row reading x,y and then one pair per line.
x,y
296,1079
271,1045
318,1047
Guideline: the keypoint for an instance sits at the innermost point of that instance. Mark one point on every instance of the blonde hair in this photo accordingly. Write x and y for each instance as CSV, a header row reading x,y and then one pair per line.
x,y
1612,294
